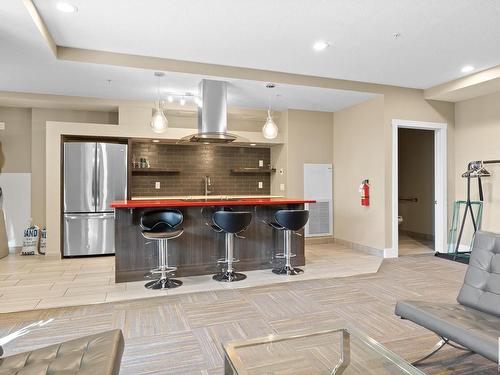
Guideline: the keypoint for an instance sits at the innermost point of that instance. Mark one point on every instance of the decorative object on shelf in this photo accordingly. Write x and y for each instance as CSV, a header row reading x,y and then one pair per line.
x,y
159,122
270,129
143,163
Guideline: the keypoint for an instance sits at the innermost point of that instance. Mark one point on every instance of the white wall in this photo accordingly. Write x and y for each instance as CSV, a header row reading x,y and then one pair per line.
x,y
16,188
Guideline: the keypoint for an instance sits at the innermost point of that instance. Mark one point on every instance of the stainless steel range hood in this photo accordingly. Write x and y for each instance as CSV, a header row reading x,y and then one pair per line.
x,y
212,114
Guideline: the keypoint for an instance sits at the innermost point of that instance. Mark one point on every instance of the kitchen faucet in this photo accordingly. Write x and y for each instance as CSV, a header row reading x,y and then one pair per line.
x,y
207,184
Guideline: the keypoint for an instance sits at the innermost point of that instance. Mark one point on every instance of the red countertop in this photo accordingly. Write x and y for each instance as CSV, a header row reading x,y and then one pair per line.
x,y
208,202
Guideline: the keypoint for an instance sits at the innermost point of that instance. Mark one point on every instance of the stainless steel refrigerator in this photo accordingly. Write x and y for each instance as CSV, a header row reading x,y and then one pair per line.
x,y
95,174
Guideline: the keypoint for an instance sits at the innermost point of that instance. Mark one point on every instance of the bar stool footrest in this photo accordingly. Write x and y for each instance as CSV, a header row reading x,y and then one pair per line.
x,y
166,269
229,276
224,260
282,256
163,284
287,270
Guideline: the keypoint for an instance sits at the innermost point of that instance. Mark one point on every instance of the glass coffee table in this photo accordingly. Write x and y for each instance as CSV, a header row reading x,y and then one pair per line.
x,y
341,350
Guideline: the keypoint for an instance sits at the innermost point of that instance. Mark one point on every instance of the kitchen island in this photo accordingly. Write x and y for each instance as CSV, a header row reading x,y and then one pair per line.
x,y
196,251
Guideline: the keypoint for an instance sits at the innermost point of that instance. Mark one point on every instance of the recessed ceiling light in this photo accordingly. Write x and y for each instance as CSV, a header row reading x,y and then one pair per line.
x,y
170,98
467,69
321,45
156,140
66,7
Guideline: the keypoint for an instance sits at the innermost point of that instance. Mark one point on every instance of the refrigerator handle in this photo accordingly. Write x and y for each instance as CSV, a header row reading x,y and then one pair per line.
x,y
96,184
107,215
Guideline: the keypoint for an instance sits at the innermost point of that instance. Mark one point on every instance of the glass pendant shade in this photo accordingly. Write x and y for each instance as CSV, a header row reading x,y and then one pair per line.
x,y
159,122
269,130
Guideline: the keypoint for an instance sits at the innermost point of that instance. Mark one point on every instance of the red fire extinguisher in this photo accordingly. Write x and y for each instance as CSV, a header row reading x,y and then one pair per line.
x,y
364,191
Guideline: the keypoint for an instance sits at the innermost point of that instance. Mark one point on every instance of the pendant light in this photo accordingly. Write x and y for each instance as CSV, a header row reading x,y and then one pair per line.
x,y
270,129
159,122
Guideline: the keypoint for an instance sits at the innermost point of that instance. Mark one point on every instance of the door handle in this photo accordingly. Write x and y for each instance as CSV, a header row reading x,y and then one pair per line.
x,y
89,216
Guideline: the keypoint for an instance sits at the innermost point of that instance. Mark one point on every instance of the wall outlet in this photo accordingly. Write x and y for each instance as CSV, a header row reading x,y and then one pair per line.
x,y
2,125
260,184
282,187
261,163
157,185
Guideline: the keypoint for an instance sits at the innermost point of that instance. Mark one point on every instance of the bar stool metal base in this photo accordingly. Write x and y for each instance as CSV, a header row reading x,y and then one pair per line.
x,y
163,284
287,270
229,276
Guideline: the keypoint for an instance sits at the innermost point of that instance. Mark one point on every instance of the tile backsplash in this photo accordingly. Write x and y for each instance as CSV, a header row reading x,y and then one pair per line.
x,y
196,161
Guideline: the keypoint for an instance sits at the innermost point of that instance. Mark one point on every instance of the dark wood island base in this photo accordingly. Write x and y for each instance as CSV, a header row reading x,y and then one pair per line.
x,y
197,250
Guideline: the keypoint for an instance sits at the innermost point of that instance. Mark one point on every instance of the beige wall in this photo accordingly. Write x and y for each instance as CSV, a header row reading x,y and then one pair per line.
x,y
310,140
477,137
409,104
279,159
363,149
15,140
416,180
359,153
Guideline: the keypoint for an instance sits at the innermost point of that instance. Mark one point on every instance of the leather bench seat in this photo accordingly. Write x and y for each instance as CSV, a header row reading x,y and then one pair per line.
x,y
98,354
475,321
476,330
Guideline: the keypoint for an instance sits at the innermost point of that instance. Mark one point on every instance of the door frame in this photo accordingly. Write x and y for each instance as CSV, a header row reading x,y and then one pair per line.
x,y
440,181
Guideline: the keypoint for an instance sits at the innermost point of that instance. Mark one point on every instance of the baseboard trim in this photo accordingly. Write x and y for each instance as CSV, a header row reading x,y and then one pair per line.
x,y
319,240
363,248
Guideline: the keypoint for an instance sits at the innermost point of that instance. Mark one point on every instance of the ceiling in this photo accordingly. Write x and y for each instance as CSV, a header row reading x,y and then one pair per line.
x,y
436,39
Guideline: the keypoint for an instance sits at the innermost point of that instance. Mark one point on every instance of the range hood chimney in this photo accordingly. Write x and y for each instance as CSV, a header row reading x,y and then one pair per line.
x,y
212,114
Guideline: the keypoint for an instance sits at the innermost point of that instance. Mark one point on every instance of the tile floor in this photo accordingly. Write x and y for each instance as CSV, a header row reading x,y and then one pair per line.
x,y
411,246
36,282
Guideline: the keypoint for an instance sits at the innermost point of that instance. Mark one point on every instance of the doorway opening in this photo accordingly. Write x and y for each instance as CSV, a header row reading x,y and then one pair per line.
x,y
415,191
423,185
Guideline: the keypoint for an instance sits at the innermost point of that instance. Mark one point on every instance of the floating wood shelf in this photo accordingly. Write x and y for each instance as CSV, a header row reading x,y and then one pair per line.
x,y
253,170
155,171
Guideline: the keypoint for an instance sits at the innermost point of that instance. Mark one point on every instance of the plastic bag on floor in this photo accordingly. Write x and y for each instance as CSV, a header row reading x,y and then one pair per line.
x,y
30,240
43,240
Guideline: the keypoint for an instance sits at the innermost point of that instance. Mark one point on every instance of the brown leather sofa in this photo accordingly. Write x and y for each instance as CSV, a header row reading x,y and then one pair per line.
x,y
98,354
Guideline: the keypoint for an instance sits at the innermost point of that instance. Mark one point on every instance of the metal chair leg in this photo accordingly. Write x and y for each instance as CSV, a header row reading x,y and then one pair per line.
x,y
440,344
287,269
229,275
164,282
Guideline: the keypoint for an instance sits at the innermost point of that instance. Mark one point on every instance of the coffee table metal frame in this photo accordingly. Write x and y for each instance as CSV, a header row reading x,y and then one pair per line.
x,y
234,366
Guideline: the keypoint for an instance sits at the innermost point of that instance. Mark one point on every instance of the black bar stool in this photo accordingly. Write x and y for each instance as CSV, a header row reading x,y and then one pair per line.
x,y
289,221
162,226
232,224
